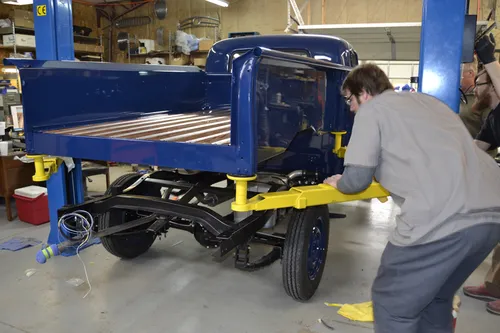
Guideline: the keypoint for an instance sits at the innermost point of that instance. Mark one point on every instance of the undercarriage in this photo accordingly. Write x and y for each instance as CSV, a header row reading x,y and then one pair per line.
x,y
136,209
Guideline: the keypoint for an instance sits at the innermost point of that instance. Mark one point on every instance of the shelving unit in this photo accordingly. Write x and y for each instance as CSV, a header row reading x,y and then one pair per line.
x,y
79,40
168,52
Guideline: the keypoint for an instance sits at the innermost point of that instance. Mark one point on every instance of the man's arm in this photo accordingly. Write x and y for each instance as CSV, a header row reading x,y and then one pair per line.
x,y
493,69
485,50
355,179
362,154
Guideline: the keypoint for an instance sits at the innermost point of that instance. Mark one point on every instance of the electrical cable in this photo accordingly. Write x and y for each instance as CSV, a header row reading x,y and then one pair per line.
x,y
75,233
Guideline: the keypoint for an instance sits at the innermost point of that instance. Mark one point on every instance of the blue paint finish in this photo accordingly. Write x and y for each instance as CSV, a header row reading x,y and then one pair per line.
x,y
64,29
104,93
169,154
441,50
107,92
56,191
77,191
243,117
328,48
218,90
317,248
45,31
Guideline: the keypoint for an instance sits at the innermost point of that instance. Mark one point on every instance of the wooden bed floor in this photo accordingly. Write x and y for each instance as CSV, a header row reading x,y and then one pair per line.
x,y
212,127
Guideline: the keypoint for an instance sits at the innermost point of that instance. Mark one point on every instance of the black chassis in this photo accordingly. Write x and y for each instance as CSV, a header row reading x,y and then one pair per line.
x,y
209,228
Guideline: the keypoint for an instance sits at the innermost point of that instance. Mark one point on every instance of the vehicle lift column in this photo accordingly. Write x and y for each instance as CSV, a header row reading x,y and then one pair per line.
x,y
54,36
441,49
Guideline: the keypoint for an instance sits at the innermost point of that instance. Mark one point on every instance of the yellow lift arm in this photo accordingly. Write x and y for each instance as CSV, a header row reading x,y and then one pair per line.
x,y
303,196
299,197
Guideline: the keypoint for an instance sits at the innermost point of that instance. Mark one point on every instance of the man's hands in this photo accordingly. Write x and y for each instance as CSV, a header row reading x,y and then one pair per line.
x,y
333,180
485,49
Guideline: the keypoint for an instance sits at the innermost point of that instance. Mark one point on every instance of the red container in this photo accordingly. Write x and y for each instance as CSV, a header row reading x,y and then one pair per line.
x,y
33,210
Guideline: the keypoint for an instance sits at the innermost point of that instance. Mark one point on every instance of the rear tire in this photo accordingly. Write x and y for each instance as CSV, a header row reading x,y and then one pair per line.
x,y
125,246
305,249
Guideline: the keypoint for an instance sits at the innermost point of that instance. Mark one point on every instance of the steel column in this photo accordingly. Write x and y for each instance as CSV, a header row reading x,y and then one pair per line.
x,y
441,49
76,188
64,32
45,29
53,29
54,41
56,191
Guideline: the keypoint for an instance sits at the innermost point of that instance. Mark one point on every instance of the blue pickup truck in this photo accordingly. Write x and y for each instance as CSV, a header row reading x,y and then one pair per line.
x,y
261,126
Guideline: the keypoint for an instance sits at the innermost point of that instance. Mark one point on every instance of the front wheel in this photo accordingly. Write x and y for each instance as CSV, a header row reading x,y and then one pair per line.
x,y
305,250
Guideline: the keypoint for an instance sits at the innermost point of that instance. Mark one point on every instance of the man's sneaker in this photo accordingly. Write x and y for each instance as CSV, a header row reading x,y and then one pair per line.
x,y
494,307
480,293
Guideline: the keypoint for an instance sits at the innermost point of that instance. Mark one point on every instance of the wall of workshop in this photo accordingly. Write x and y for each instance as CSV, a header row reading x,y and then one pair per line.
x,y
269,16
177,11
83,15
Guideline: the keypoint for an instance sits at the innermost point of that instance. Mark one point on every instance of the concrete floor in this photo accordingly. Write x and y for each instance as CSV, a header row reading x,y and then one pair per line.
x,y
177,288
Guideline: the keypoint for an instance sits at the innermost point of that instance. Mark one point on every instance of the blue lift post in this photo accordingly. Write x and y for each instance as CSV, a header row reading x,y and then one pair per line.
x,y
441,49
54,41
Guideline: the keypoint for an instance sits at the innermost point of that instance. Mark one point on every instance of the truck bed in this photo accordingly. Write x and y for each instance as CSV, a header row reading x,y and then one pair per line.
x,y
204,127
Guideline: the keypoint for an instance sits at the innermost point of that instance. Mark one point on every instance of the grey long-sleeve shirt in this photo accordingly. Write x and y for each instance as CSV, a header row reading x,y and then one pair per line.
x,y
355,179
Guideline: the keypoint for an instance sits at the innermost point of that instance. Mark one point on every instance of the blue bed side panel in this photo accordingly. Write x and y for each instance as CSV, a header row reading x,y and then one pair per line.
x,y
56,97
218,91
172,154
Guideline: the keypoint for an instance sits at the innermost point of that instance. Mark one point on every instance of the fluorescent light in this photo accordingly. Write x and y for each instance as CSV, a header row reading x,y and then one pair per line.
x,y
18,2
222,3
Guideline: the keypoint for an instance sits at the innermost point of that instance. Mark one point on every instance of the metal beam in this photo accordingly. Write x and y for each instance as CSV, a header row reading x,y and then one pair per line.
x,y
304,5
296,10
55,41
64,32
441,50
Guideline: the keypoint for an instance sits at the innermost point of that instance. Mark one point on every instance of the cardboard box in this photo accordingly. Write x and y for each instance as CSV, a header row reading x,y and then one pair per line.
x,y
19,40
180,60
205,44
79,47
22,18
200,61
5,147
21,14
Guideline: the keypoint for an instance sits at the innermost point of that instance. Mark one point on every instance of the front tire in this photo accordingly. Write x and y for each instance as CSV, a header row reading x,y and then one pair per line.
x,y
305,250
130,245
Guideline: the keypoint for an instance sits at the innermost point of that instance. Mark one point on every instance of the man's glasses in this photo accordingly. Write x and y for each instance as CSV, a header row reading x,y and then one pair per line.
x,y
481,84
348,99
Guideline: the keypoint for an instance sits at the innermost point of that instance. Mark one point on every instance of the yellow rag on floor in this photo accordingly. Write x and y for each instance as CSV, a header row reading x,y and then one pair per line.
x,y
357,312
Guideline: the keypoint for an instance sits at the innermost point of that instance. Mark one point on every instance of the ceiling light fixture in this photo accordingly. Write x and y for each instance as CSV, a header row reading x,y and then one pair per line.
x,y
18,2
222,3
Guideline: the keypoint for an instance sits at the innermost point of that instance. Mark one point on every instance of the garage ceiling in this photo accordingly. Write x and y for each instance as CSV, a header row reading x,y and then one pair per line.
x,y
372,41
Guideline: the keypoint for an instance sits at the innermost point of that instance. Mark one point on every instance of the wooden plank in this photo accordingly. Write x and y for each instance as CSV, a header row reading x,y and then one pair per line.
x,y
204,128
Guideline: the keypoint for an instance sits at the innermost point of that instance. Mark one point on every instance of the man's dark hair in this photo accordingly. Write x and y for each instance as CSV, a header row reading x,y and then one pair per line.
x,y
367,77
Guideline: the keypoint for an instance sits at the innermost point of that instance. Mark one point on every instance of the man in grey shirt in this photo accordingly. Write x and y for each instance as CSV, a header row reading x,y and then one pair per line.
x,y
448,190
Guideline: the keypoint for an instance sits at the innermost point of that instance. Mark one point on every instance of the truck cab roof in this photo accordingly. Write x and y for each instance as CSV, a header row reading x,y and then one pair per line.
x,y
329,48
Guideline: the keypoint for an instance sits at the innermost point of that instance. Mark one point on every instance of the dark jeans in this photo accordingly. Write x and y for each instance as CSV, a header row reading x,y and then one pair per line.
x,y
415,285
